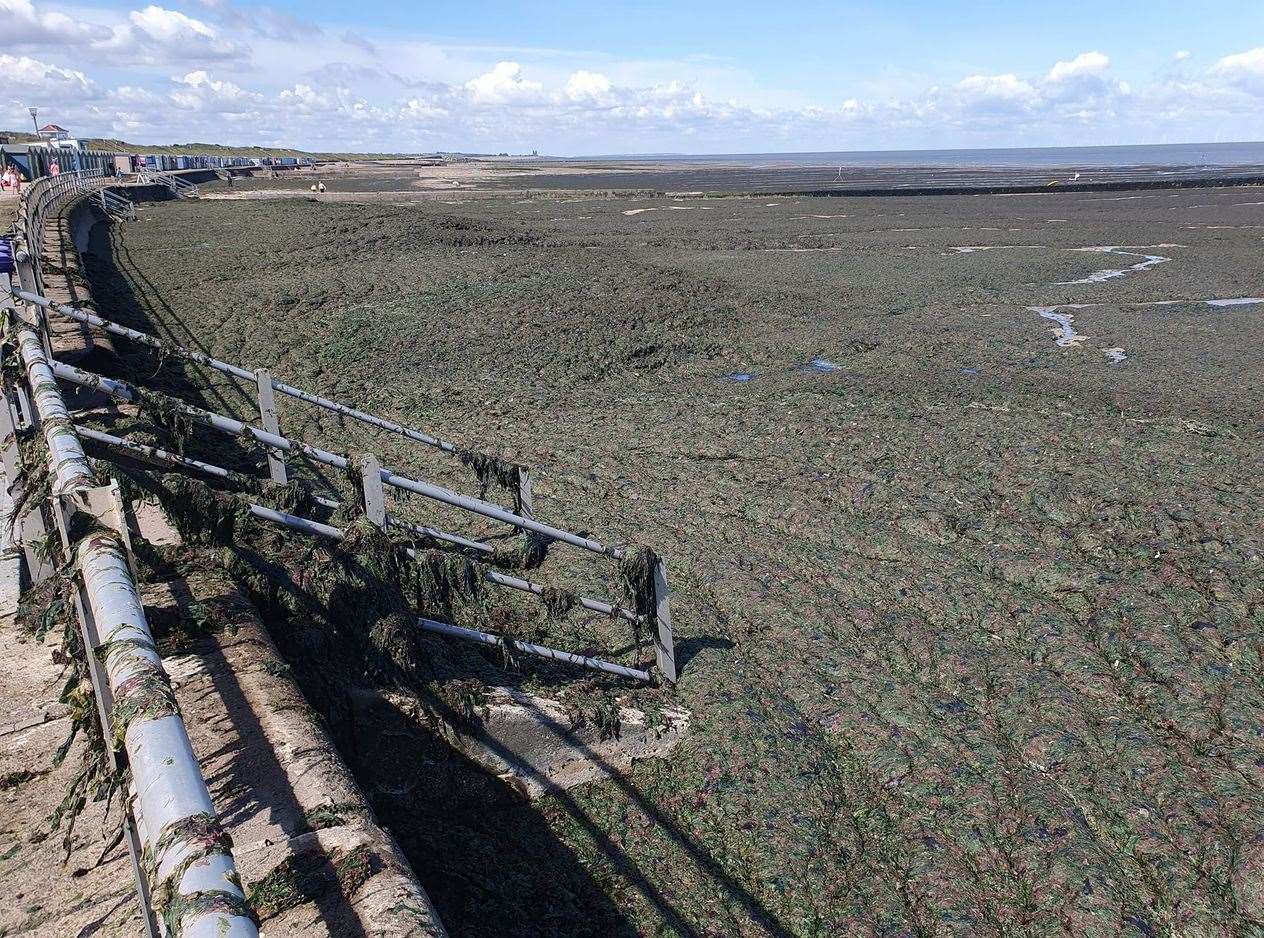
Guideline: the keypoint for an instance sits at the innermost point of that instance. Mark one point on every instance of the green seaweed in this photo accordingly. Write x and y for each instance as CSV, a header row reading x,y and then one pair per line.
x,y
308,876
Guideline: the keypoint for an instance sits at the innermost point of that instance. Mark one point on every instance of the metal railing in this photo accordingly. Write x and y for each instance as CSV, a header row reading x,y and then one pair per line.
x,y
180,187
276,446
178,849
44,197
114,205
370,478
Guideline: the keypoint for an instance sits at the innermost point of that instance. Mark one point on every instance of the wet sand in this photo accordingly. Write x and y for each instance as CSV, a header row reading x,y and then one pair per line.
x,y
967,596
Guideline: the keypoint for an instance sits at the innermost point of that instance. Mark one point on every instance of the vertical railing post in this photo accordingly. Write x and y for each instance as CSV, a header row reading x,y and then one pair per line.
x,y
29,528
371,484
268,418
525,506
664,643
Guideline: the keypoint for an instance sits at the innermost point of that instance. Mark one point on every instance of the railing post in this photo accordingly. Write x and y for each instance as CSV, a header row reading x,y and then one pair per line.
x,y
371,483
269,421
524,492
664,643
30,528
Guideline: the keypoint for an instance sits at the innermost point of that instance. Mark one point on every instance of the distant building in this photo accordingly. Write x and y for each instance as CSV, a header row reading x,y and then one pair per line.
x,y
52,133
56,137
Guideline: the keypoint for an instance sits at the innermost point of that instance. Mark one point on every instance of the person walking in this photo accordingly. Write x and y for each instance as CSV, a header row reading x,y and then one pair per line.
x,y
54,168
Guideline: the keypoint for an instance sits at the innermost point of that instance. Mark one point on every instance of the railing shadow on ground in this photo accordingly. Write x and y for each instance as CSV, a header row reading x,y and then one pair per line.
x,y
759,913
485,856
264,770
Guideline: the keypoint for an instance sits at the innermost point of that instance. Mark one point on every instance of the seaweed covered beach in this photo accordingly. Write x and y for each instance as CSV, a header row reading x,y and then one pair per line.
x,y
958,496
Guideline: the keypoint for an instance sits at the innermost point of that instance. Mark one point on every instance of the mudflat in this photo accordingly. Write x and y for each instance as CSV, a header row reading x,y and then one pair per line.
x,y
958,497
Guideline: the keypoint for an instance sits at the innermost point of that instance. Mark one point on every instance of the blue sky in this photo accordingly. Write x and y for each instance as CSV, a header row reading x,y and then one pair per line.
x,y
578,78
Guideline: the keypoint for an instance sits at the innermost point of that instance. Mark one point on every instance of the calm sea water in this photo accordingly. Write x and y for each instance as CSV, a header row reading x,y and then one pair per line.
x,y
1174,154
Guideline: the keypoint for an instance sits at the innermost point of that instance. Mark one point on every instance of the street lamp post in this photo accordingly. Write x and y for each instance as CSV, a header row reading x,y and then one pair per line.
x,y
34,123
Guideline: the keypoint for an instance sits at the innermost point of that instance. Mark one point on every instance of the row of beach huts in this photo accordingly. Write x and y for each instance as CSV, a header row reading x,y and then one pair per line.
x,y
36,160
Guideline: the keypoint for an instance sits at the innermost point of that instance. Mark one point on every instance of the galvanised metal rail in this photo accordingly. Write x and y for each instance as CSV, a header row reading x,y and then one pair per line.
x,y
181,857
157,454
120,389
179,186
191,863
243,374
114,205
437,493
44,195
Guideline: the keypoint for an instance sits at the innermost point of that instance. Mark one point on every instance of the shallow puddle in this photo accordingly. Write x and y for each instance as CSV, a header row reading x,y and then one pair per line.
x,y
1240,301
974,248
823,365
1065,335
1101,276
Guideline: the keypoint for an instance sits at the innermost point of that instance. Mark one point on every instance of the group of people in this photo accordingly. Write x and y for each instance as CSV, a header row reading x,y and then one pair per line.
x,y
11,178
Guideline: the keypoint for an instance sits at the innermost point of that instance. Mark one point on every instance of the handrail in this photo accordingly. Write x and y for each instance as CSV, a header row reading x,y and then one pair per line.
x,y
178,185
201,358
122,389
68,373
171,796
44,195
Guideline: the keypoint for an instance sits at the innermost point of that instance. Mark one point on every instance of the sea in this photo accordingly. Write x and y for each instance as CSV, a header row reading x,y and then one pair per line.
x,y
1200,155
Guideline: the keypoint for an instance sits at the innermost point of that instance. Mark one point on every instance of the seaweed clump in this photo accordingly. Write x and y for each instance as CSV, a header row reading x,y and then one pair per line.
x,y
199,513
637,571
489,469
350,605
307,877
201,837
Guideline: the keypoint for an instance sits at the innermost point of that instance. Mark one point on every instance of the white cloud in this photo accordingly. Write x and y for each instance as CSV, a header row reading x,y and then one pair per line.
x,y
27,75
198,91
259,19
1085,64
1244,69
584,84
156,34
1181,55
503,85
1008,88
21,24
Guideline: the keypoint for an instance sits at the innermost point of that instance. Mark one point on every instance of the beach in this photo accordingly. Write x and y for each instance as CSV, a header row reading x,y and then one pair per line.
x,y
956,494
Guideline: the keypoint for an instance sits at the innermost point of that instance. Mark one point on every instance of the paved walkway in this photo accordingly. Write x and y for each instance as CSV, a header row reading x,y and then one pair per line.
x,y
8,208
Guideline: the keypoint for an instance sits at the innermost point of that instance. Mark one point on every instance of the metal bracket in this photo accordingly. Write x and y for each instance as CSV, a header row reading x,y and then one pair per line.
x,y
105,504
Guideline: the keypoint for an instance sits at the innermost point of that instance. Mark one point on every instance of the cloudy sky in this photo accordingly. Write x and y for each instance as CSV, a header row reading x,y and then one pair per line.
x,y
578,77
